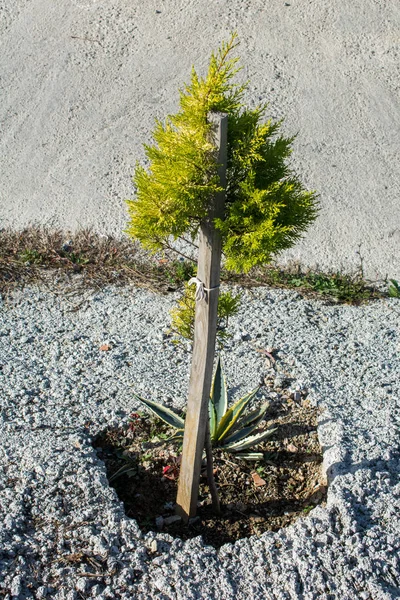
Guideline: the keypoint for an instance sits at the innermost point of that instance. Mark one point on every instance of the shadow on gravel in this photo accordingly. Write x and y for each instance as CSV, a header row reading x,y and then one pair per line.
x,y
379,468
378,474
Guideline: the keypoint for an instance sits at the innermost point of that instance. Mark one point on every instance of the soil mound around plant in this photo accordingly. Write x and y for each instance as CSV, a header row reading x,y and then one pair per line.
x,y
143,467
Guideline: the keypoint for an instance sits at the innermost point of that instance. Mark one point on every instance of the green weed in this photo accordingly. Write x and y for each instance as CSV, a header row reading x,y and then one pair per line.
x,y
29,256
394,289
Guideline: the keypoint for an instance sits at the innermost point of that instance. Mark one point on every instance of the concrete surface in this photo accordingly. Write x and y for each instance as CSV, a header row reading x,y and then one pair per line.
x,y
82,81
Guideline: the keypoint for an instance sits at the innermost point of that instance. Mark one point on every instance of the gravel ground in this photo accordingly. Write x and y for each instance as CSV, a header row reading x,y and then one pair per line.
x,y
63,531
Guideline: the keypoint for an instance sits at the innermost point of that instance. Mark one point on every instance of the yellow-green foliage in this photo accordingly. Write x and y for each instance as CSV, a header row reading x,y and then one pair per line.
x,y
266,209
182,315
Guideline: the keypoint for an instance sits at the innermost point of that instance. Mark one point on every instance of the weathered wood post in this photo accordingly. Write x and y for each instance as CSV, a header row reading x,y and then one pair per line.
x,y
205,326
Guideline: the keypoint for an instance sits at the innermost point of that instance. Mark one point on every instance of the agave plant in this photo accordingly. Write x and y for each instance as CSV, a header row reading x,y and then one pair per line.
x,y
231,429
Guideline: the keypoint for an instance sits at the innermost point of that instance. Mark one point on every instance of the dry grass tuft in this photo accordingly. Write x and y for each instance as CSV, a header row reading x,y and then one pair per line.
x,y
84,259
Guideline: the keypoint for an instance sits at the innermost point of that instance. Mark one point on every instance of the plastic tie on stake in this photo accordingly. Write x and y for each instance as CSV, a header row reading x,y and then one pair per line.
x,y
201,291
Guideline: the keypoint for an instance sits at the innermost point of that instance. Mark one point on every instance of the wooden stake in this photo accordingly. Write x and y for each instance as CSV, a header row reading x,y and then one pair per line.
x,y
205,327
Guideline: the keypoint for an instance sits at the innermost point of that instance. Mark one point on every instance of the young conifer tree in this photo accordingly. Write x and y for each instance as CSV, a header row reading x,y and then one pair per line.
x,y
266,208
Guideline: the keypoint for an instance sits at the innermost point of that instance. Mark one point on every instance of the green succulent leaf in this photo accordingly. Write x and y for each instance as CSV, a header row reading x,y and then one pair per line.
x,y
248,442
164,413
232,415
250,456
219,394
255,415
176,436
213,419
243,433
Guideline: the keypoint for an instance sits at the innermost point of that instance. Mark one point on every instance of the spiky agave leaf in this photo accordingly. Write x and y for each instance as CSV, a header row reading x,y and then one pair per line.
x,y
250,456
232,415
255,415
250,441
240,434
212,415
219,397
230,429
164,413
176,436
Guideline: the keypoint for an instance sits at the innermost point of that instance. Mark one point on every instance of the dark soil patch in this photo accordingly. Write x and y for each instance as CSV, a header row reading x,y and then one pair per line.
x,y
255,496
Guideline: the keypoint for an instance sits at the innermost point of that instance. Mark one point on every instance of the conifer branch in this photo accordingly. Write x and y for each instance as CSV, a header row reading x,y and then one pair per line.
x,y
181,237
169,247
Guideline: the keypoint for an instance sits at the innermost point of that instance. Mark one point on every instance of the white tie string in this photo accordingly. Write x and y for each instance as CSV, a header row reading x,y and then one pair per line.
x,y
200,289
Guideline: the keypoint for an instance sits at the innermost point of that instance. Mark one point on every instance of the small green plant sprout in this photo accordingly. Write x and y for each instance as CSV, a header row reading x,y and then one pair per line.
x,y
30,257
394,289
182,315
129,468
231,429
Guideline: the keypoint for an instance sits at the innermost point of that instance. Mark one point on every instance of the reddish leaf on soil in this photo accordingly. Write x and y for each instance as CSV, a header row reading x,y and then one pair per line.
x,y
171,472
105,348
170,477
258,482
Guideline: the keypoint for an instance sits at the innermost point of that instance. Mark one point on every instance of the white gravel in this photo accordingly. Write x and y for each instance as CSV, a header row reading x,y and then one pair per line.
x,y
58,390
